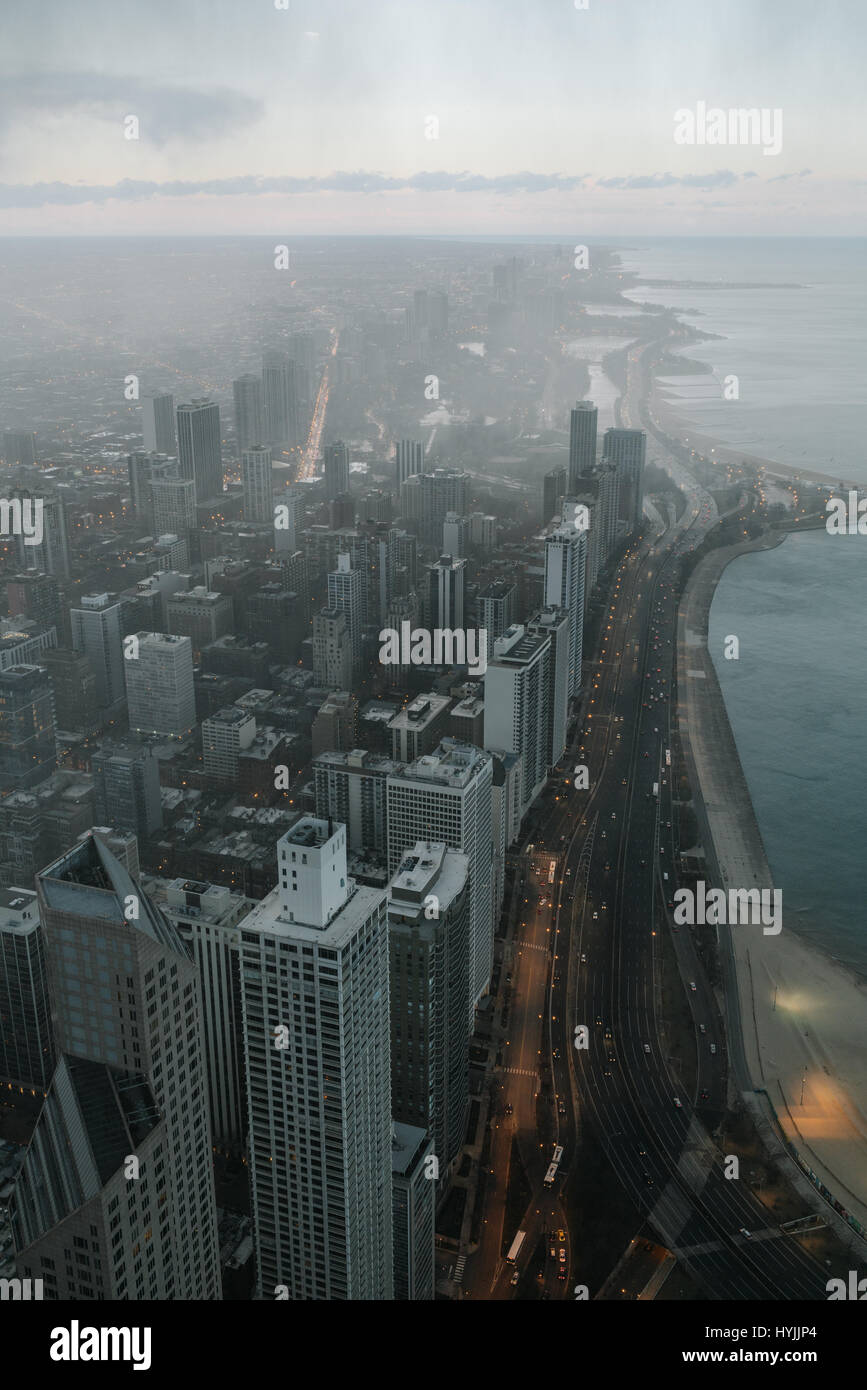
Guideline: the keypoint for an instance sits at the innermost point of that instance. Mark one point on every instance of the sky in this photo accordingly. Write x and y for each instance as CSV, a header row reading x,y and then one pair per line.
x,y
429,117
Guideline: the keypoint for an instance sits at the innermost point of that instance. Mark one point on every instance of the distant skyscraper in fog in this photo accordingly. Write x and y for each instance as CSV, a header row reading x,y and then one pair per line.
x,y
408,459
249,412
628,449
256,480
336,470
19,449
158,423
280,400
582,441
199,447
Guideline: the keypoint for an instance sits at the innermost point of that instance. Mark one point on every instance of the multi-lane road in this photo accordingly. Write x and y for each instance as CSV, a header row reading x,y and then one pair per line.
x,y
651,1100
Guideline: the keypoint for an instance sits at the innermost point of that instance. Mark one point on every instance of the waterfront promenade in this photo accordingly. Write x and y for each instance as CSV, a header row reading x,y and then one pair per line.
x,y
796,1019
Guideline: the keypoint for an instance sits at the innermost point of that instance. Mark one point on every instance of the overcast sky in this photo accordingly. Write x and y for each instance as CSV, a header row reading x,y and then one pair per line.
x,y
315,118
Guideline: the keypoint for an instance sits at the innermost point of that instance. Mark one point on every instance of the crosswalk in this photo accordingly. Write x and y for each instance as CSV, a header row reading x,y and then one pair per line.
x,y
459,1268
520,1071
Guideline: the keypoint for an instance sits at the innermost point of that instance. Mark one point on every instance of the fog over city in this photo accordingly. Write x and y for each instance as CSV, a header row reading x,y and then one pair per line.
x,y
432,528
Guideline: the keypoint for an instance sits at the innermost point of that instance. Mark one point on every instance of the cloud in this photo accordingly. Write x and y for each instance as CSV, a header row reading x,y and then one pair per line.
x,y
164,113
722,178
358,181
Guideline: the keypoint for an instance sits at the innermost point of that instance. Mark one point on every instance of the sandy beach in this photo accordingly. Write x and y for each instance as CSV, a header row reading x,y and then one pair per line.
x,y
802,1017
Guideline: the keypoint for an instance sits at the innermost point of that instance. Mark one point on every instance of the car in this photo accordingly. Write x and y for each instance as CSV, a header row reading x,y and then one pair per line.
x,y
648,1179
561,1108
509,1108
583,958
556,1054
701,1028
561,1237
647,1048
704,1095
642,1153
561,1274
552,1252
713,1049
607,1034
595,916
677,1104
745,1233
598,1021
623,782
561,1254
515,1277
614,815
692,985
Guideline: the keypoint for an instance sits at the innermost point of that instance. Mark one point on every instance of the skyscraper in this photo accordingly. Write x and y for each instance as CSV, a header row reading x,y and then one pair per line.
x,y
346,595
280,401
565,565
553,488
126,783
582,441
249,412
408,460
159,685
429,946
628,450
19,449
256,480
199,454
336,471
413,1210
51,555
26,1037
314,971
495,608
445,595
158,423
97,632
115,1199
28,753
446,795
332,650
174,505
517,695
144,469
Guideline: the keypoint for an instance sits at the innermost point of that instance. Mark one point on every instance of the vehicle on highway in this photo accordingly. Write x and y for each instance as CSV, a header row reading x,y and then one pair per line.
x,y
692,985
583,958
744,1232
701,1028
515,1247
677,1104
595,916
713,1049
647,1047
516,1274
561,1108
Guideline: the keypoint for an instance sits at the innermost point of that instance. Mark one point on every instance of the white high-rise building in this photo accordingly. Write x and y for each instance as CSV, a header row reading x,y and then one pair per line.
x,y
445,593
346,594
159,684
314,970
556,624
256,480
96,631
446,795
225,736
565,566
517,695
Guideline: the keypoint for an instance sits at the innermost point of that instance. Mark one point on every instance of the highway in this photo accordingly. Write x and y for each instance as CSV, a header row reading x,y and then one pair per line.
x,y
614,843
